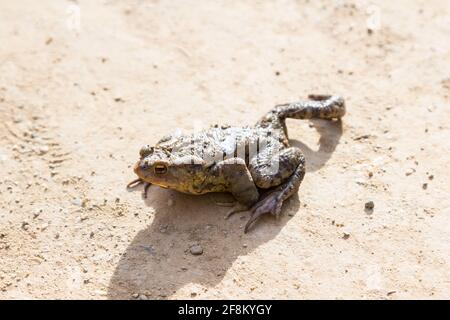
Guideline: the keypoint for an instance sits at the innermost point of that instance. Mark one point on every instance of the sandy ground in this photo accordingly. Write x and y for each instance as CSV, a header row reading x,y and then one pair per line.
x,y
84,84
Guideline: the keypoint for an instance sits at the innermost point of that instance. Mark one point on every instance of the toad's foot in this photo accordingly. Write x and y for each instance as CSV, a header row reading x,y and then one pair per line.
x,y
144,192
238,207
136,183
270,204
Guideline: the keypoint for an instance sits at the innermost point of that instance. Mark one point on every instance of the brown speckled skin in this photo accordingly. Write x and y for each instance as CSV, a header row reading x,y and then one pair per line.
x,y
240,160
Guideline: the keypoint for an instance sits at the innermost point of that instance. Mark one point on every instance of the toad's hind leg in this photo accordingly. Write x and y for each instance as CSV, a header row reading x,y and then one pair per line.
x,y
291,170
317,107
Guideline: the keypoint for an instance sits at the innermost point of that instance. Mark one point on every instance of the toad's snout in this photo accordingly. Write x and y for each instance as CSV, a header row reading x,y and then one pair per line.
x,y
141,167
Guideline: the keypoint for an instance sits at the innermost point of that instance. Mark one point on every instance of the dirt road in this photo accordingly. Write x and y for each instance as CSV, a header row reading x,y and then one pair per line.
x,y
83,84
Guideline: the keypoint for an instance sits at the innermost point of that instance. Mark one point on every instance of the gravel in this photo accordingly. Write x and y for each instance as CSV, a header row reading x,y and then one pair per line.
x,y
196,250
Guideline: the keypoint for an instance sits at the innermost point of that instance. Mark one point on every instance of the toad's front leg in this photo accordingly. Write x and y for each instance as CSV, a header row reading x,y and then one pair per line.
x,y
137,182
235,174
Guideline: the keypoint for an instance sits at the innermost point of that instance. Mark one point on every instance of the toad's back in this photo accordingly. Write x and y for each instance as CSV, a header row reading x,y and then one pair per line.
x,y
223,142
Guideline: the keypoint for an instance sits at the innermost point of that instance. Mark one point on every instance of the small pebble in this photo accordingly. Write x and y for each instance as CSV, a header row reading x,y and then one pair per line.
x,y
425,186
43,150
135,295
196,250
410,171
346,236
25,225
369,205
77,202
163,228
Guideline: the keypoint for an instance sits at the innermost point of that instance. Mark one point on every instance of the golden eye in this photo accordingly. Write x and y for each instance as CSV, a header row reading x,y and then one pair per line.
x,y
160,169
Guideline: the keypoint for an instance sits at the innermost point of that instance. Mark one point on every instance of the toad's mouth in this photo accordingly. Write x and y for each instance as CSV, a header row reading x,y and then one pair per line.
x,y
151,181
160,185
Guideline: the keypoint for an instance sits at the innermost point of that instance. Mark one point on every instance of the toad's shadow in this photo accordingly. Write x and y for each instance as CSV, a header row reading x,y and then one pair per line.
x,y
157,262
330,133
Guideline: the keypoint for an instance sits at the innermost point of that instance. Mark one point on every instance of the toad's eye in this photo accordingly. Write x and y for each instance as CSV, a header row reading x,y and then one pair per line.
x,y
160,169
145,151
